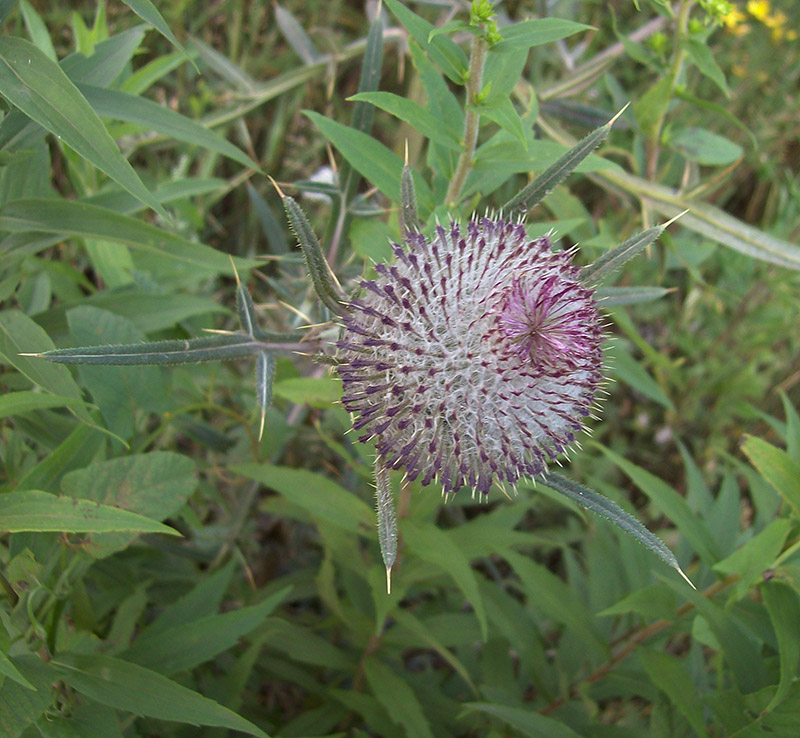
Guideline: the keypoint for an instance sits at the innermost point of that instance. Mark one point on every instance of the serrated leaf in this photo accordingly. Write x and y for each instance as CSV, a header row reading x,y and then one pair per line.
x,y
33,510
38,86
616,257
125,686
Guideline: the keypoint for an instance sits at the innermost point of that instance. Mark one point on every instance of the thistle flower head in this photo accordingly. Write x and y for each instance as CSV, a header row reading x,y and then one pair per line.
x,y
475,358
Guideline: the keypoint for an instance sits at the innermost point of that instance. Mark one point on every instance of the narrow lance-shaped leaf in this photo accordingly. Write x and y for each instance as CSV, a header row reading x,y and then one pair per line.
x,y
409,219
265,376
387,520
321,274
246,310
615,258
614,513
556,173
207,348
616,296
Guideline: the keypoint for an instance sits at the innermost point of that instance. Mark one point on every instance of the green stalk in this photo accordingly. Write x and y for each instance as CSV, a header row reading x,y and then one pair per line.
x,y
471,119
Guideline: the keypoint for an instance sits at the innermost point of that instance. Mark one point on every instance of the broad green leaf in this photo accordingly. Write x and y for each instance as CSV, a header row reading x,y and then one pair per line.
x,y
652,602
70,218
672,678
756,556
185,646
671,504
413,114
504,113
777,467
317,392
18,335
551,596
442,50
26,401
371,159
783,605
322,498
651,107
536,32
398,698
152,116
147,11
89,720
10,671
33,510
155,485
741,650
626,368
704,60
39,87
527,722
117,391
125,686
705,147
19,705
436,547
303,645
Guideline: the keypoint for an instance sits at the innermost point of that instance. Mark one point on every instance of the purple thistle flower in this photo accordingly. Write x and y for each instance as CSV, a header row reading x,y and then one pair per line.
x,y
475,358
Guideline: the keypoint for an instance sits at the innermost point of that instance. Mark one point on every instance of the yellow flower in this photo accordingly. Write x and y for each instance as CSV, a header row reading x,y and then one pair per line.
x,y
733,18
758,9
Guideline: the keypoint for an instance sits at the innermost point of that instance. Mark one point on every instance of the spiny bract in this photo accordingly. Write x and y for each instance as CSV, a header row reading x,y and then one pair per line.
x,y
475,358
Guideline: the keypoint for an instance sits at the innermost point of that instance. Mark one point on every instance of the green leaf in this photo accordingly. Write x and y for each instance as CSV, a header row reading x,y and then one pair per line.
x,y
294,33
551,596
535,32
672,678
413,114
756,556
117,391
669,502
17,403
37,30
38,86
33,510
616,296
322,498
616,257
777,467
704,60
70,218
436,547
313,391
612,512
219,347
783,606
527,722
652,106
152,116
8,669
147,11
705,147
18,335
371,159
557,172
126,686
19,705
155,485
504,113
626,368
398,698
442,50
185,646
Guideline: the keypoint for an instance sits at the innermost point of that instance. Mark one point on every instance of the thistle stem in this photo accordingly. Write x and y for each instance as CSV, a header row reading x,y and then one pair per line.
x,y
471,119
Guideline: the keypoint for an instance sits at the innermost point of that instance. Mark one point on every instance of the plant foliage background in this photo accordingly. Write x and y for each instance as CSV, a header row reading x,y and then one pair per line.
x,y
163,568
